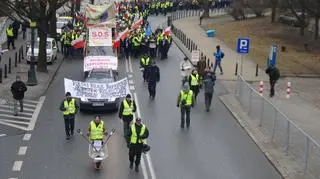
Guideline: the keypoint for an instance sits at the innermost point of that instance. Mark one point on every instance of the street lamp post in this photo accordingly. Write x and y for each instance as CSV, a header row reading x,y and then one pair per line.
x,y
32,78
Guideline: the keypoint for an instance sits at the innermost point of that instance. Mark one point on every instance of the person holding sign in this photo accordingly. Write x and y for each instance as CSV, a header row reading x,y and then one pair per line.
x,y
127,109
69,108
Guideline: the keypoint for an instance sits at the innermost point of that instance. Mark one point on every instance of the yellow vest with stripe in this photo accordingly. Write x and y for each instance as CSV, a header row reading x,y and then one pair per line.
x,y
96,132
9,32
187,97
70,107
145,61
127,110
134,136
194,80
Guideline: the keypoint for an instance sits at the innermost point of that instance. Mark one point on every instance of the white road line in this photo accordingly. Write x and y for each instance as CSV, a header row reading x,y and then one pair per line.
x,y
30,101
127,68
24,104
15,117
14,122
131,82
10,111
17,165
22,150
36,113
11,107
130,76
130,65
3,135
13,125
12,178
131,87
137,104
144,169
26,137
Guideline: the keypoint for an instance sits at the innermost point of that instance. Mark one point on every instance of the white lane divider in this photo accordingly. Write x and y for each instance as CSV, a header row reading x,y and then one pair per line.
x,y
26,137
130,65
17,165
127,68
3,135
22,150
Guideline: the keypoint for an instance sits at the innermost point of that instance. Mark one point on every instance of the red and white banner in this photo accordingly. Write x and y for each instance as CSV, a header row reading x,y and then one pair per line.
x,y
105,62
100,37
78,43
167,31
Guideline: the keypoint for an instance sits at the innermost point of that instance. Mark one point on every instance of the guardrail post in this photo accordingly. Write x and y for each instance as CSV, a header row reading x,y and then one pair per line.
x,y
236,70
0,75
22,56
306,156
5,71
288,137
9,65
16,59
257,69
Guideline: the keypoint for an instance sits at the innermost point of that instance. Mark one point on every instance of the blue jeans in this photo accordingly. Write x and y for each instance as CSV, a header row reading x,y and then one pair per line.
x,y
217,63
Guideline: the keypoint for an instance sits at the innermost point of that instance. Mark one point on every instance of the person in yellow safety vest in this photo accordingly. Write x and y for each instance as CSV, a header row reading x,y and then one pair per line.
x,y
138,134
194,82
10,37
185,102
136,41
69,107
97,130
67,44
144,63
127,109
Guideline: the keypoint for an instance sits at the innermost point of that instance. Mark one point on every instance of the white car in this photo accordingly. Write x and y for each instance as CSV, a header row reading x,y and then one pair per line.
x,y
51,51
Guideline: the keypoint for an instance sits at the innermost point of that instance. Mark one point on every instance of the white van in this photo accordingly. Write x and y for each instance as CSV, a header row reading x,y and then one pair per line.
x,y
51,51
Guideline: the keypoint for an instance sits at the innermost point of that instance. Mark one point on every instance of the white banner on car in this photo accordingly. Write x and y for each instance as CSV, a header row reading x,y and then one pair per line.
x,y
87,90
100,37
104,62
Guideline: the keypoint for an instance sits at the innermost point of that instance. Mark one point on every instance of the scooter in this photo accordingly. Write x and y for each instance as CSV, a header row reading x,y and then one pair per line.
x,y
98,150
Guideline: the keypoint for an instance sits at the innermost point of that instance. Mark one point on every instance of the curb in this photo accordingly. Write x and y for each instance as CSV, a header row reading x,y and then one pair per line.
x,y
53,77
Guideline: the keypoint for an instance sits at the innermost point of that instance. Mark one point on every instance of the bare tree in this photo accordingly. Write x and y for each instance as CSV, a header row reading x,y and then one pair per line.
x,y
258,7
41,11
313,8
237,10
274,5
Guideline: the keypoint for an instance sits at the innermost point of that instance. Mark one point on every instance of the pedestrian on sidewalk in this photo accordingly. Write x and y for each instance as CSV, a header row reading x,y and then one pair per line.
x,y
127,109
185,102
16,27
138,134
70,108
18,88
274,76
10,37
218,58
201,66
24,29
194,83
209,83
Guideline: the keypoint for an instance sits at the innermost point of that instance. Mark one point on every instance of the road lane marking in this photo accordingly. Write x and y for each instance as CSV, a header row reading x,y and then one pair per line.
x,y
11,107
130,75
153,176
10,111
36,113
22,150
127,68
17,165
26,137
130,65
15,117
13,125
12,178
30,101
144,169
131,87
24,104
3,135
131,82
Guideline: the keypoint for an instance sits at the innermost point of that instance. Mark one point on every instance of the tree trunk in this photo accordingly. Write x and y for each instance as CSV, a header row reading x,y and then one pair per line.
x,y
316,33
273,13
42,61
53,26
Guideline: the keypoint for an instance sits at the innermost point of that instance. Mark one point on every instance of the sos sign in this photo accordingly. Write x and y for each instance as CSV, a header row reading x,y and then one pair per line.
x,y
100,37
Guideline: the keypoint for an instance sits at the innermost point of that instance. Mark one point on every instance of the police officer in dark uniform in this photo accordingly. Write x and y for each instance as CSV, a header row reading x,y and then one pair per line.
x,y
153,76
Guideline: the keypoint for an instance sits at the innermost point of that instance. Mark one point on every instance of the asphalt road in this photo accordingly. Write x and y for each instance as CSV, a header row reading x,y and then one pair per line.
x,y
214,147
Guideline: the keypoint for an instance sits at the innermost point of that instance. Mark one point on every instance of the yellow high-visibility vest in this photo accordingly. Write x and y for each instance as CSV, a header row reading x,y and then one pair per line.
x,y
70,107
145,61
127,110
194,80
134,135
187,97
9,32
96,132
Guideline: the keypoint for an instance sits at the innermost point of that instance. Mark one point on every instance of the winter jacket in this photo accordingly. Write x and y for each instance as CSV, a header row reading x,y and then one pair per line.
x,y
18,88
153,74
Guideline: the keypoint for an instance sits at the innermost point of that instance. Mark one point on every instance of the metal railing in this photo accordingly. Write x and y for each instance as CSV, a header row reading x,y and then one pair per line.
x,y
179,14
282,133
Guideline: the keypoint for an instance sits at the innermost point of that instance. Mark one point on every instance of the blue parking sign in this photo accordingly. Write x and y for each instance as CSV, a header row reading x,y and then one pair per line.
x,y
243,45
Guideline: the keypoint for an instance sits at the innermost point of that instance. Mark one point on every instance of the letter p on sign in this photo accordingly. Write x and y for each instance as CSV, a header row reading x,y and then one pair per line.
x,y
243,45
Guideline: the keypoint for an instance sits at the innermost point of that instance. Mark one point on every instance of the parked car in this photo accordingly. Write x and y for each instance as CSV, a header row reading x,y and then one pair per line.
x,y
291,19
51,51
100,76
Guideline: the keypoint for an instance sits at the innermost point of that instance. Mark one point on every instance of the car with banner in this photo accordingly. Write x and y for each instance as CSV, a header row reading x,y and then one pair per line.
x,y
103,76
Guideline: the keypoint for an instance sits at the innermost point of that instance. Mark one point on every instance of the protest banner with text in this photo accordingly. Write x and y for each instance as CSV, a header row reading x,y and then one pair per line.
x,y
104,62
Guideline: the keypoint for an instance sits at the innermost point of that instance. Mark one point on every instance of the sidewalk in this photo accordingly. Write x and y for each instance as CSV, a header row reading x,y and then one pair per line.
x,y
190,26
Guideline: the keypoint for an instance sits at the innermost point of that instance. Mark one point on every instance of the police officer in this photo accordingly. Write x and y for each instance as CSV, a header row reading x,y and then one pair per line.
x,y
69,107
97,129
185,102
10,37
127,109
138,133
194,82
153,74
144,63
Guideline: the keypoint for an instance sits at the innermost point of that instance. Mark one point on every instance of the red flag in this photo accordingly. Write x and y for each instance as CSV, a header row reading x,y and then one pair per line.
x,y
78,43
167,31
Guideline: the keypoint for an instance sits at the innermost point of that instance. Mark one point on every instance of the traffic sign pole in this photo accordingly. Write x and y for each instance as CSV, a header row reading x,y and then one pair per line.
x,y
243,46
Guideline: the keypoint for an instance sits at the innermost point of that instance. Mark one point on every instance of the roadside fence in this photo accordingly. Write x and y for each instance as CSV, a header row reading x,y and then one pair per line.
x,y
282,133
